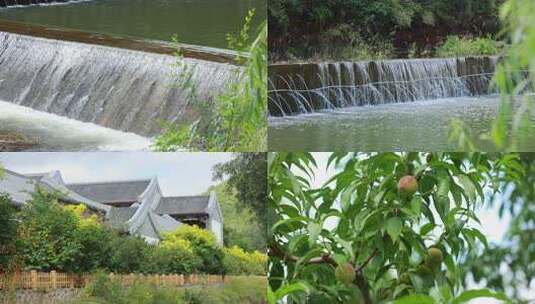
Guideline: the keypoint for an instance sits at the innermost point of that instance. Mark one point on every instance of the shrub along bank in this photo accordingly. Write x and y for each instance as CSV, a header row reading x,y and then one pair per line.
x,y
51,236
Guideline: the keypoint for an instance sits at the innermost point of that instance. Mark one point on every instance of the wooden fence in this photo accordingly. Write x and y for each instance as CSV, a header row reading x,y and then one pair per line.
x,y
55,280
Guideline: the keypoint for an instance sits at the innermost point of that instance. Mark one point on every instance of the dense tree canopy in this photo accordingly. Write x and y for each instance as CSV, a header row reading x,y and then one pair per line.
x,y
242,226
401,22
386,226
247,174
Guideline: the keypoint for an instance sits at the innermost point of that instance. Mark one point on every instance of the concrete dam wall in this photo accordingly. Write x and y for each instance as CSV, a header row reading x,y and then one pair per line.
x,y
123,89
307,87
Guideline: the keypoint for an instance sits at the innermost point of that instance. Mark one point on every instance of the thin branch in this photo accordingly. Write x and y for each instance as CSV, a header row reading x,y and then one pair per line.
x,y
276,251
374,253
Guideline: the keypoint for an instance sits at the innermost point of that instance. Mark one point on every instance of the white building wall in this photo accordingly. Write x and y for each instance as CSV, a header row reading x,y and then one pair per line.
x,y
217,229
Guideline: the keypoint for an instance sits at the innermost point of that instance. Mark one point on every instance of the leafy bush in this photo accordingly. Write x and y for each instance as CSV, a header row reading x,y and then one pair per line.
x,y
171,258
103,288
8,232
128,254
72,239
237,261
202,243
48,234
456,46
95,239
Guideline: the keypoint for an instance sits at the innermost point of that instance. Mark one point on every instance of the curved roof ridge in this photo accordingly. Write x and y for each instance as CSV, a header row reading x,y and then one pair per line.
x,y
11,172
173,196
72,195
111,182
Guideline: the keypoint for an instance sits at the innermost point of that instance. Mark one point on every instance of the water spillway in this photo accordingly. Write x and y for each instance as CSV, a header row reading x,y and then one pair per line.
x,y
127,90
307,87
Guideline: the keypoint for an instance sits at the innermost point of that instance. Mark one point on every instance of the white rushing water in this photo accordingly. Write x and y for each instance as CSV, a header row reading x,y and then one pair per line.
x,y
56,133
304,88
121,89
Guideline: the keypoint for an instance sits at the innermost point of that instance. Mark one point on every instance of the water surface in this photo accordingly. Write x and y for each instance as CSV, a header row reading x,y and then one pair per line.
x,y
411,126
57,133
201,22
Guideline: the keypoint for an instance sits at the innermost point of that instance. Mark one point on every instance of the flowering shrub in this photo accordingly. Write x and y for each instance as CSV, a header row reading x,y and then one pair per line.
x,y
237,261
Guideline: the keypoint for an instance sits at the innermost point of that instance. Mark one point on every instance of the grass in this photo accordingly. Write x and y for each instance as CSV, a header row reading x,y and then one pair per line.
x,y
246,290
456,46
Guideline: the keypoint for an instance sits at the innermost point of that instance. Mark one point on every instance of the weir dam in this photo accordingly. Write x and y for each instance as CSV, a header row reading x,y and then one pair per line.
x,y
120,83
308,87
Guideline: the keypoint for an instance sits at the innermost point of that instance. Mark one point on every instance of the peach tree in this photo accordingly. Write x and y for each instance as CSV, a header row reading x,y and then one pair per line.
x,y
384,228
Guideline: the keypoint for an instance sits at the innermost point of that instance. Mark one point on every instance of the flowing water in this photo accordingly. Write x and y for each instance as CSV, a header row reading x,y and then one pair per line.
x,y
305,88
116,88
201,22
56,133
412,126
402,105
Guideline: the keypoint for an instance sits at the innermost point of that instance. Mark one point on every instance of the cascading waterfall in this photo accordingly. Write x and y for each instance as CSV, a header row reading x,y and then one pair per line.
x,y
304,88
121,89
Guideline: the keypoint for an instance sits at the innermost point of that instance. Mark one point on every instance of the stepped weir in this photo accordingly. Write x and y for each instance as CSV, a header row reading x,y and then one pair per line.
x,y
304,88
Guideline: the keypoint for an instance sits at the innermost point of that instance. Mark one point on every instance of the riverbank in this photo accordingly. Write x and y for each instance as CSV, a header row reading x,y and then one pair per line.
x,y
14,142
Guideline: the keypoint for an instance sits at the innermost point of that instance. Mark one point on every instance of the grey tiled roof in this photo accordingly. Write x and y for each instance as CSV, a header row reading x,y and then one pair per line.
x,y
117,217
111,192
17,186
183,205
20,186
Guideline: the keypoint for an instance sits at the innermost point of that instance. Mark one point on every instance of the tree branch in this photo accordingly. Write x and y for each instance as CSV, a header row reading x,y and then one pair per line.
x,y
364,288
276,251
374,253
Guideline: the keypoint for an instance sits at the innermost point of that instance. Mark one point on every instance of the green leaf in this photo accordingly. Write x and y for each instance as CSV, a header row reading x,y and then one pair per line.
x,y
416,205
415,299
480,293
271,296
393,227
291,288
425,229
469,188
314,230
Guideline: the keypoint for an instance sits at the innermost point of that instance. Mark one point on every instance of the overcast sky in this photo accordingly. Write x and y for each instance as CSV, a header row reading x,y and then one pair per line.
x,y
178,173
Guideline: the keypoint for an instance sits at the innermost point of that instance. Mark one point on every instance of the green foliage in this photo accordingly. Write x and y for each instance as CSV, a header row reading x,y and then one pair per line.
x,y
94,238
517,253
447,298
103,288
513,128
402,23
174,258
456,46
247,290
128,254
242,226
384,235
202,243
247,174
48,234
238,262
237,119
8,233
